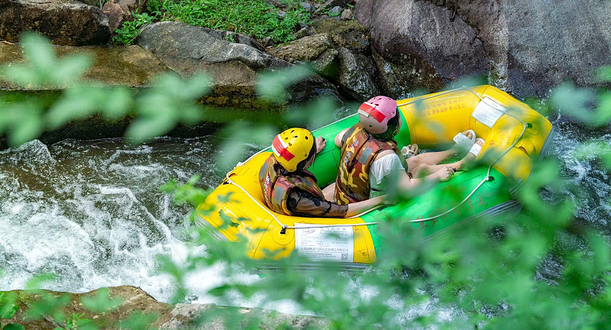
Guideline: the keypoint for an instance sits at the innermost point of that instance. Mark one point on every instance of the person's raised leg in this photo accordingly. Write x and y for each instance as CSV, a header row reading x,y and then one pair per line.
x,y
469,157
434,158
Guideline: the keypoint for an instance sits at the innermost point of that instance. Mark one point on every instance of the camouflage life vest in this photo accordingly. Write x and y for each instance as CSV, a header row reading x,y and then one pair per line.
x,y
359,149
277,183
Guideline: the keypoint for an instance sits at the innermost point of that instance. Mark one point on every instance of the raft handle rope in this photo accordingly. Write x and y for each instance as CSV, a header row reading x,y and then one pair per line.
x,y
487,178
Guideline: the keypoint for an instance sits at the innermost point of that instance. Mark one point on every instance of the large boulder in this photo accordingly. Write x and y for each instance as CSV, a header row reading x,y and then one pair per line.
x,y
524,46
233,66
65,22
182,41
357,75
417,36
134,301
305,49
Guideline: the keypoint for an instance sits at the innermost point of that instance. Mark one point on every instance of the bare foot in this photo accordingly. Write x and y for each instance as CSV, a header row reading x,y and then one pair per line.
x,y
409,150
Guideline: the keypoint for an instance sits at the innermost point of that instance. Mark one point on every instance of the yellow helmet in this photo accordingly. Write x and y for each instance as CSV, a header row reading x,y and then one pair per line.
x,y
292,147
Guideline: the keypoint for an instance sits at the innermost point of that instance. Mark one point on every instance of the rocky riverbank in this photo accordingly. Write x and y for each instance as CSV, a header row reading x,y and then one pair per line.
x,y
132,301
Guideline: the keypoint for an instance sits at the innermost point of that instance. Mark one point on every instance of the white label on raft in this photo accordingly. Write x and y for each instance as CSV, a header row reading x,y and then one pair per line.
x,y
488,112
326,243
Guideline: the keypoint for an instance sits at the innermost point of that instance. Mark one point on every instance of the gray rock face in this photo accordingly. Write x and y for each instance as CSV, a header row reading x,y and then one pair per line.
x,y
304,49
65,22
356,75
405,32
346,34
235,38
187,49
183,41
92,2
524,46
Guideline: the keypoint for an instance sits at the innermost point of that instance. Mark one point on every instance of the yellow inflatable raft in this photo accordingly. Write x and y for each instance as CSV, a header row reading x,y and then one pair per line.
x,y
515,136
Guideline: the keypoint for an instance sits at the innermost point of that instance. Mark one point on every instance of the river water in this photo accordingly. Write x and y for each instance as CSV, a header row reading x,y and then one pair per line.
x,y
91,212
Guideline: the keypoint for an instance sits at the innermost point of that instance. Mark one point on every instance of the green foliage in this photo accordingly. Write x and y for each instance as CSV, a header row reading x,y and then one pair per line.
x,y
272,85
257,18
170,100
186,193
130,30
486,270
77,321
8,308
101,302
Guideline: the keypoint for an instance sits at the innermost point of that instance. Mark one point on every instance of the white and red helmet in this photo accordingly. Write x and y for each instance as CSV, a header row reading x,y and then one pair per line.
x,y
375,113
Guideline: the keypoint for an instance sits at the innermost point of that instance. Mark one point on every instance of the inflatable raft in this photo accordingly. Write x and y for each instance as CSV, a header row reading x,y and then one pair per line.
x,y
515,136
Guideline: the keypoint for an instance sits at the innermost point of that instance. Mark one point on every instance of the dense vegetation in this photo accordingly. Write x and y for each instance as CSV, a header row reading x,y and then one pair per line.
x,y
256,18
487,271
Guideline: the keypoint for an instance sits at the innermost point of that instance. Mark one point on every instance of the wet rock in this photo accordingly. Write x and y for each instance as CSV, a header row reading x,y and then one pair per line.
x,y
65,22
523,46
126,66
235,38
302,33
335,11
97,3
183,41
346,34
421,34
268,42
398,80
340,3
164,316
307,6
357,75
347,14
304,49
233,67
119,11
326,64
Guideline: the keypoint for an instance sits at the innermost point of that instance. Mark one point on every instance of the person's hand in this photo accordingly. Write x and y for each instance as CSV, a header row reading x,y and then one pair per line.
x,y
385,200
444,173
320,144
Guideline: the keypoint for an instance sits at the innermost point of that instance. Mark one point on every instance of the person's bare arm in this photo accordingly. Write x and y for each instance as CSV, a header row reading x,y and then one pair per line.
x,y
338,138
360,207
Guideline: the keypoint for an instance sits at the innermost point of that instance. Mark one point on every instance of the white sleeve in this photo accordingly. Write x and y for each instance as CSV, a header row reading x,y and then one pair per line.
x,y
341,134
382,167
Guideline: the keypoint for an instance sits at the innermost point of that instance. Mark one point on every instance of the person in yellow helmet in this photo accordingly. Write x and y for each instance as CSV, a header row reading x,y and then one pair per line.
x,y
289,188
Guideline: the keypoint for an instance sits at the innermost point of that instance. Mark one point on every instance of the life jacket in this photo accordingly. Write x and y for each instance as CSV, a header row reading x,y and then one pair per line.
x,y
359,150
277,183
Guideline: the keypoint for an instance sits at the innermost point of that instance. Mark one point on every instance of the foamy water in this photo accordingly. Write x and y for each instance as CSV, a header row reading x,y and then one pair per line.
x,y
91,213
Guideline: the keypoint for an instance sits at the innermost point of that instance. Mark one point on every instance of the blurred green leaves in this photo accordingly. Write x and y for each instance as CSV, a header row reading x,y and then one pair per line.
x,y
42,68
272,85
170,100
492,281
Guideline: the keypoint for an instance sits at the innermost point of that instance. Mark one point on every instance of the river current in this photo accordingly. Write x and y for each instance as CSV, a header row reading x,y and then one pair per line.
x,y
92,213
